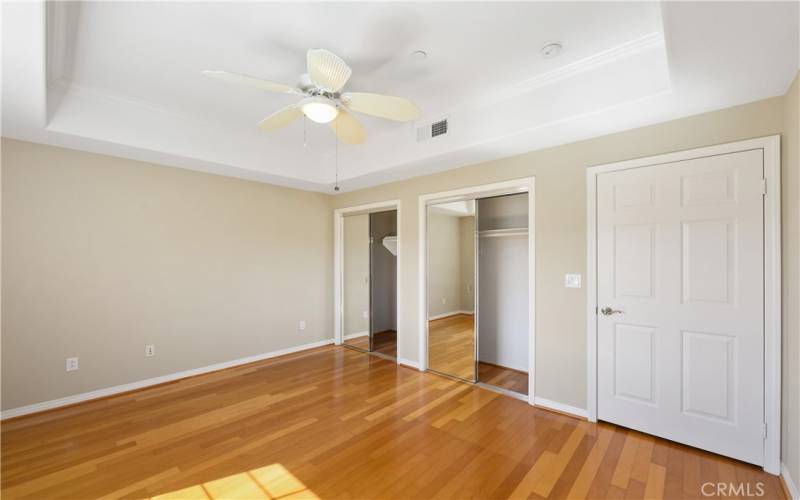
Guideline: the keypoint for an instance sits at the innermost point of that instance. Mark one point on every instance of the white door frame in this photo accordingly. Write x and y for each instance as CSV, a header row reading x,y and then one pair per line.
x,y
338,264
772,276
523,185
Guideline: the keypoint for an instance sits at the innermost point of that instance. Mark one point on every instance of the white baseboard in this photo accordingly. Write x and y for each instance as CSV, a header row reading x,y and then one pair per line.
x,y
109,391
789,482
560,407
356,335
448,314
408,362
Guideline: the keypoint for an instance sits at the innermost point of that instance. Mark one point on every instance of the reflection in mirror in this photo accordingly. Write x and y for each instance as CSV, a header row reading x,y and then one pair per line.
x,y
451,289
383,289
369,281
355,281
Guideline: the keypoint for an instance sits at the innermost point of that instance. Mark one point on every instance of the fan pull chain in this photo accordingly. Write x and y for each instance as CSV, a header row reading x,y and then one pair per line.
x,y
305,142
336,182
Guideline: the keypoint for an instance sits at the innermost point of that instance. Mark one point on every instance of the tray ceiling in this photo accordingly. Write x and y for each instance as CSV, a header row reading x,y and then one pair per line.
x,y
124,78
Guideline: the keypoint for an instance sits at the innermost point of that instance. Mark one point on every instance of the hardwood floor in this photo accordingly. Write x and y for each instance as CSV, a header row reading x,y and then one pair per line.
x,y
451,346
451,350
383,342
500,376
334,423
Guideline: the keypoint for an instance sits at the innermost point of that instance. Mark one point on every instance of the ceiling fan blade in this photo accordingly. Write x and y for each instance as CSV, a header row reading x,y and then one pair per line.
x,y
384,106
280,119
253,82
327,70
348,129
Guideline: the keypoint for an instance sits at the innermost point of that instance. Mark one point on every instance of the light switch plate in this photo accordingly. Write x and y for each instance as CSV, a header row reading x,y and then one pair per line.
x,y
302,325
572,280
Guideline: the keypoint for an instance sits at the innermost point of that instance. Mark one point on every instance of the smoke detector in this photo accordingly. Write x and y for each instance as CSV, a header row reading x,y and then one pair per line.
x,y
551,50
419,55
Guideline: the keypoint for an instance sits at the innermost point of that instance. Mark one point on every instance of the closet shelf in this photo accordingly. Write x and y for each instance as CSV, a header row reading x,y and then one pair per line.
x,y
496,233
390,242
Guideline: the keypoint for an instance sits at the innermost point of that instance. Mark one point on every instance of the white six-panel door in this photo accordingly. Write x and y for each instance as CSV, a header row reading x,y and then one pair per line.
x,y
680,274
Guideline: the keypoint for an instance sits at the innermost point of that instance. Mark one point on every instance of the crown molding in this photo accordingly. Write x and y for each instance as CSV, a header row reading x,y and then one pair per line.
x,y
652,41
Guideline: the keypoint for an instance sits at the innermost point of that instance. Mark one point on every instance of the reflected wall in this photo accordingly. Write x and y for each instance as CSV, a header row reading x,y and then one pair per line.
x,y
451,289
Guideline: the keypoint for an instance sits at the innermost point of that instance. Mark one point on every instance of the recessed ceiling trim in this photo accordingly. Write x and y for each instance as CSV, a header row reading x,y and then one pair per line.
x,y
623,51
73,80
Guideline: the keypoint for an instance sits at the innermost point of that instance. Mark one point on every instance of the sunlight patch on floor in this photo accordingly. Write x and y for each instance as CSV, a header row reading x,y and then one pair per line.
x,y
270,482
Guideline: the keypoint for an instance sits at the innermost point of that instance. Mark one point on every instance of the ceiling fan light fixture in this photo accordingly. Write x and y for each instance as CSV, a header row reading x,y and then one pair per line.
x,y
319,109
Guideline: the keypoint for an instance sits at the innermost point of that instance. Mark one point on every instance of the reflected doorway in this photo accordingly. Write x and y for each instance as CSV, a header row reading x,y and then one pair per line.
x,y
369,282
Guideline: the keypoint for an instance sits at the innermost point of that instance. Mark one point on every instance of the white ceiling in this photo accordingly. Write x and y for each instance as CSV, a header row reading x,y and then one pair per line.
x,y
124,78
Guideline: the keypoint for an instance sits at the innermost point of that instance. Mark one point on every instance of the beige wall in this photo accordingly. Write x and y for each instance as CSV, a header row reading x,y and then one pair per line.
x,y
560,226
466,234
451,270
790,177
102,255
356,274
444,270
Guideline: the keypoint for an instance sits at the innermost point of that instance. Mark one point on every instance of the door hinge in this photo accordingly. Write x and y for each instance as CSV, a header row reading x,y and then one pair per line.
x,y
764,430
764,187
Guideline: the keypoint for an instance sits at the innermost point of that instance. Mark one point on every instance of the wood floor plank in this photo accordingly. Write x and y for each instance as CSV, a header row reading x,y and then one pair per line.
x,y
337,423
654,488
580,487
622,473
546,471
602,479
641,462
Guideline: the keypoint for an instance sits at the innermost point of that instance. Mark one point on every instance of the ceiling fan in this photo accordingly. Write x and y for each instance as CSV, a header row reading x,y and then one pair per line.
x,y
324,101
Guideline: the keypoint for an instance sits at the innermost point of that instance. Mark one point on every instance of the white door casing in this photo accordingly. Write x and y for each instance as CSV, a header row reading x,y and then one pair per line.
x,y
680,251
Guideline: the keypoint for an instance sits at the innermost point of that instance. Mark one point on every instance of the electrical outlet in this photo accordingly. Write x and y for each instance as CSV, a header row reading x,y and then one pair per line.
x,y
444,300
150,350
365,314
302,324
72,364
572,280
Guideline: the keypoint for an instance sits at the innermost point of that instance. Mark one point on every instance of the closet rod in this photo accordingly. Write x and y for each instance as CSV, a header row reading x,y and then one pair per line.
x,y
496,233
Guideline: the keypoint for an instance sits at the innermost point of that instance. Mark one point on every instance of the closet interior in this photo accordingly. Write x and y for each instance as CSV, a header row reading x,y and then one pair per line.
x,y
369,281
477,291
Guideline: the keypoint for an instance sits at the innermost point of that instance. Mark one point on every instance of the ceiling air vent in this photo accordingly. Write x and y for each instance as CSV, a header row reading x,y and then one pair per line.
x,y
439,128
435,129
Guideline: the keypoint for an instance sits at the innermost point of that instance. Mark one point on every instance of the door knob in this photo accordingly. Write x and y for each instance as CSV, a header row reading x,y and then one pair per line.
x,y
607,311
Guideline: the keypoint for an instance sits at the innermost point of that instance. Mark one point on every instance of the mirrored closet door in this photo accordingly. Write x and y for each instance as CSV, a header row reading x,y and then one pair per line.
x,y
477,291
451,289
369,282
